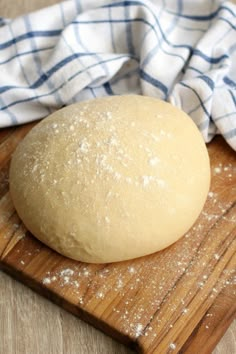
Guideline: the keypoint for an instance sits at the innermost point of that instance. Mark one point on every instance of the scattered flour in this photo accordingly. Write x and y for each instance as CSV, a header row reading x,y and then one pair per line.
x,y
217,170
172,346
46,280
138,329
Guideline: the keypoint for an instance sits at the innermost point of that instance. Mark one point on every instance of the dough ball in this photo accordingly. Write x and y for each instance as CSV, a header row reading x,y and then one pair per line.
x,y
111,179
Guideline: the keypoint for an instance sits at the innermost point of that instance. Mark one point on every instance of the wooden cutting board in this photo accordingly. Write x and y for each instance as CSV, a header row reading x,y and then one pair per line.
x,y
180,300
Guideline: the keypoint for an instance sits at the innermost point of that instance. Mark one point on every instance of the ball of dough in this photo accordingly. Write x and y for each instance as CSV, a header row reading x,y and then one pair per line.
x,y
111,179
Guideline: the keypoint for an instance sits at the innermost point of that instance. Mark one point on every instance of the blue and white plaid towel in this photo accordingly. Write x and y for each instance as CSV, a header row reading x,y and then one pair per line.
x,y
182,51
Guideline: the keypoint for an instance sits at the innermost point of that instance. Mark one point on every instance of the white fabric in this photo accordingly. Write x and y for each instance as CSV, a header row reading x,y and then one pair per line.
x,y
181,51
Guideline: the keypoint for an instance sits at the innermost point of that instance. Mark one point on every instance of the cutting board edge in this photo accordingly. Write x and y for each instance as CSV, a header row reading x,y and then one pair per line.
x,y
226,321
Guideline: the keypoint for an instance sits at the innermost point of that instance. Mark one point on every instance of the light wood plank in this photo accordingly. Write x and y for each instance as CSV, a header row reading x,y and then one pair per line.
x,y
31,324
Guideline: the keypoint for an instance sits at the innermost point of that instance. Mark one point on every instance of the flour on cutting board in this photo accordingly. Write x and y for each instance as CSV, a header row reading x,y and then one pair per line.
x,y
124,281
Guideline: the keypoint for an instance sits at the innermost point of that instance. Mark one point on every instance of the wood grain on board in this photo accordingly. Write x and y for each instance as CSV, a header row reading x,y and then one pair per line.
x,y
181,299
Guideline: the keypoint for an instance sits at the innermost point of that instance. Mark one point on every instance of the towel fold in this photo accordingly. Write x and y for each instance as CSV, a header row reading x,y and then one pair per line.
x,y
181,51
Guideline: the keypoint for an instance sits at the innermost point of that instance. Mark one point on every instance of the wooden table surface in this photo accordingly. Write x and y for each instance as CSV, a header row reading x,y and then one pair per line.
x,y
30,324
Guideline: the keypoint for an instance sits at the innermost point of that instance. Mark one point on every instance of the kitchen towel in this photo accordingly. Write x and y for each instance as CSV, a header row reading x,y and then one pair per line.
x,y
180,51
